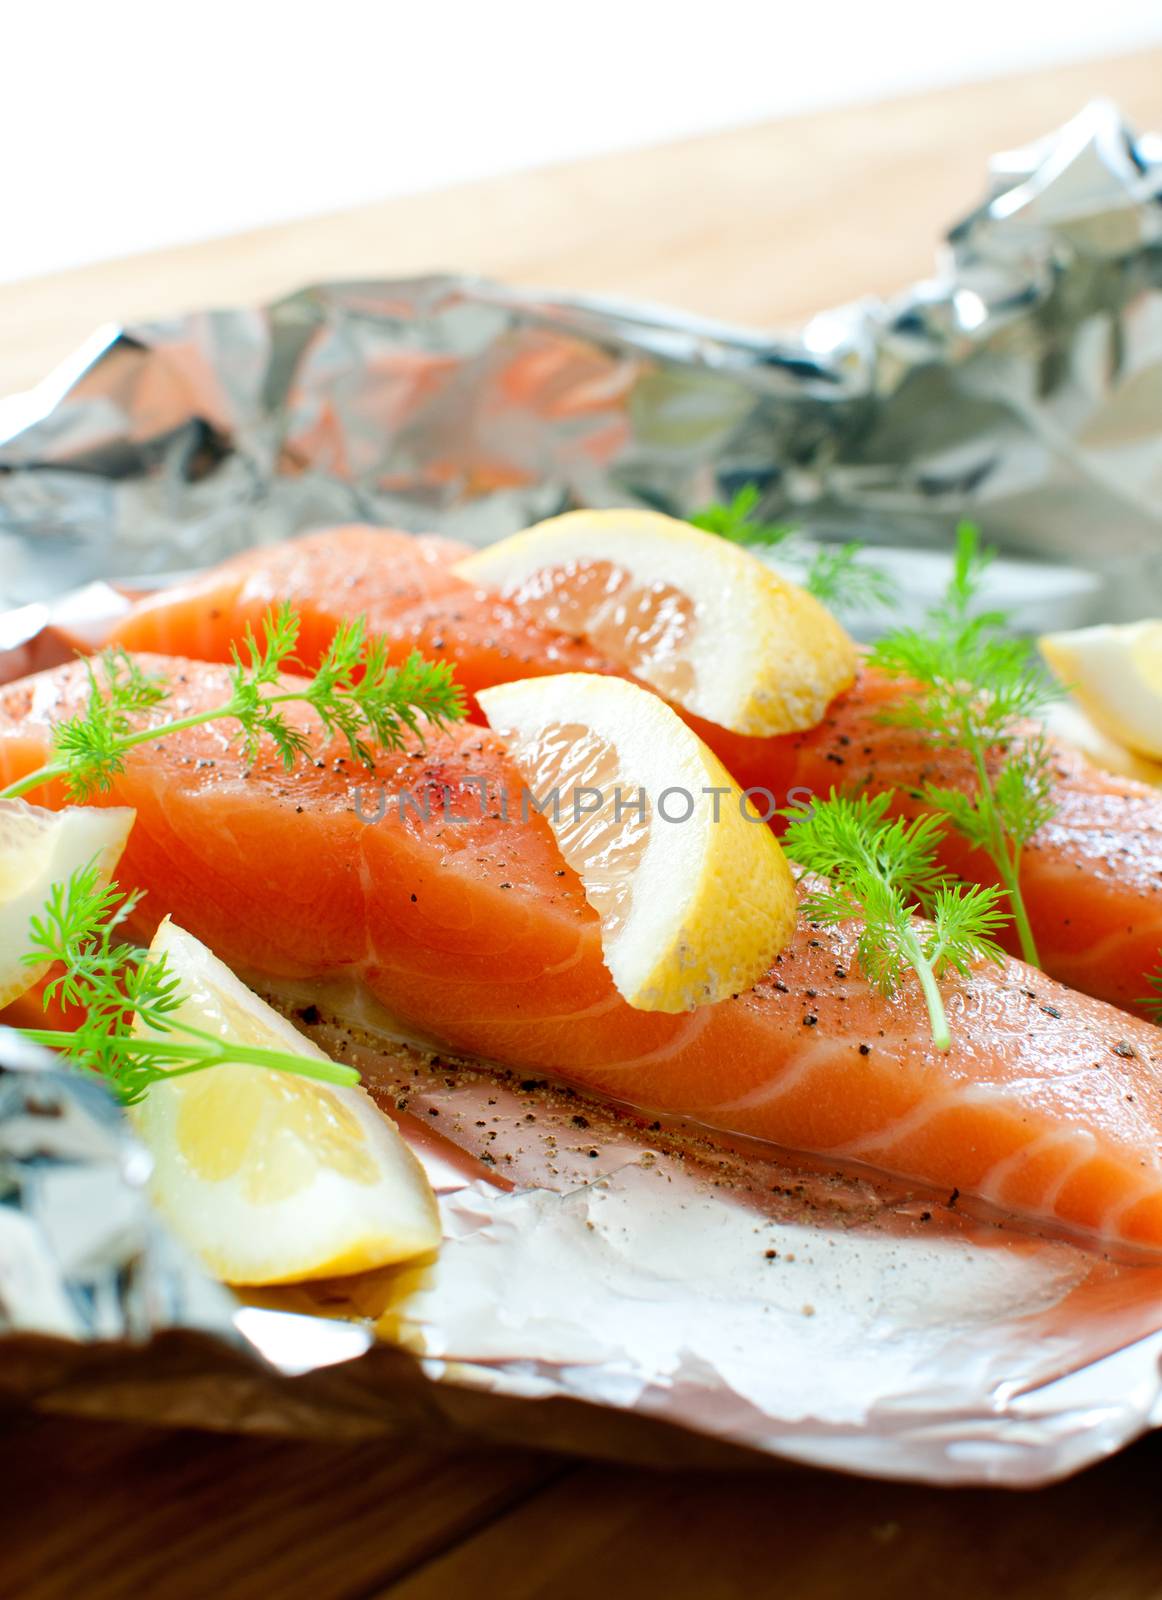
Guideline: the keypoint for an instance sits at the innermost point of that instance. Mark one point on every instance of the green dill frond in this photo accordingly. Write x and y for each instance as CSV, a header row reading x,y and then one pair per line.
x,y
1153,1001
837,575
355,692
265,663
1024,788
959,809
737,522
76,930
130,1035
883,870
258,667
854,840
970,563
841,578
89,747
965,920
979,689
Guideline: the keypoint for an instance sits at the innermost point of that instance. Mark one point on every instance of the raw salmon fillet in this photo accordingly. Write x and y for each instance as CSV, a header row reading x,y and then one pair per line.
x,y
475,935
1092,881
402,583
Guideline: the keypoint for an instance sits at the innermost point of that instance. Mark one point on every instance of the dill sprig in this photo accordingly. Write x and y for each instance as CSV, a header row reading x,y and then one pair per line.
x,y
837,575
735,520
119,987
92,743
883,870
1153,1002
354,691
979,686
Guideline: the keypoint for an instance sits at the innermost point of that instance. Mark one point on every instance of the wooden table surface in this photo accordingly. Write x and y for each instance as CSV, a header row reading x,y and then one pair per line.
x,y
764,225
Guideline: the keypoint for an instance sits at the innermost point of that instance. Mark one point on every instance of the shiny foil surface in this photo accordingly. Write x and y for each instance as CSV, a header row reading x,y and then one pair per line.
x,y
608,1284
1021,385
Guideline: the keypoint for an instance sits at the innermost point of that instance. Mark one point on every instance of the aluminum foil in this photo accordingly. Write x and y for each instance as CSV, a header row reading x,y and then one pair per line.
x,y
1022,385
608,1283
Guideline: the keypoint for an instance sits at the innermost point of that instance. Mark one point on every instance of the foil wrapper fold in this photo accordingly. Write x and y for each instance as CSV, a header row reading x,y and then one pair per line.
x,y
1022,386
606,1284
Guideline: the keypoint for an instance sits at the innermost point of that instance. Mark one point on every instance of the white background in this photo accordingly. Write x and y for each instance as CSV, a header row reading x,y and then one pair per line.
x,y
126,126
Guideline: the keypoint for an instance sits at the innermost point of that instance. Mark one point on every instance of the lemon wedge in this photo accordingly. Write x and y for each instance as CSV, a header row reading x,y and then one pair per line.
x,y
1066,721
695,897
699,619
271,1178
37,849
1115,672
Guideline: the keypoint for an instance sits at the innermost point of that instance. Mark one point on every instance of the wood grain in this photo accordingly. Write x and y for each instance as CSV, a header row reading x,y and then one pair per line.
x,y
763,225
110,1511
811,1537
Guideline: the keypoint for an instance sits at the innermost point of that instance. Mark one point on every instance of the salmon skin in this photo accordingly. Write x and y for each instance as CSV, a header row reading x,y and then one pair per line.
x,y
1092,880
473,933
